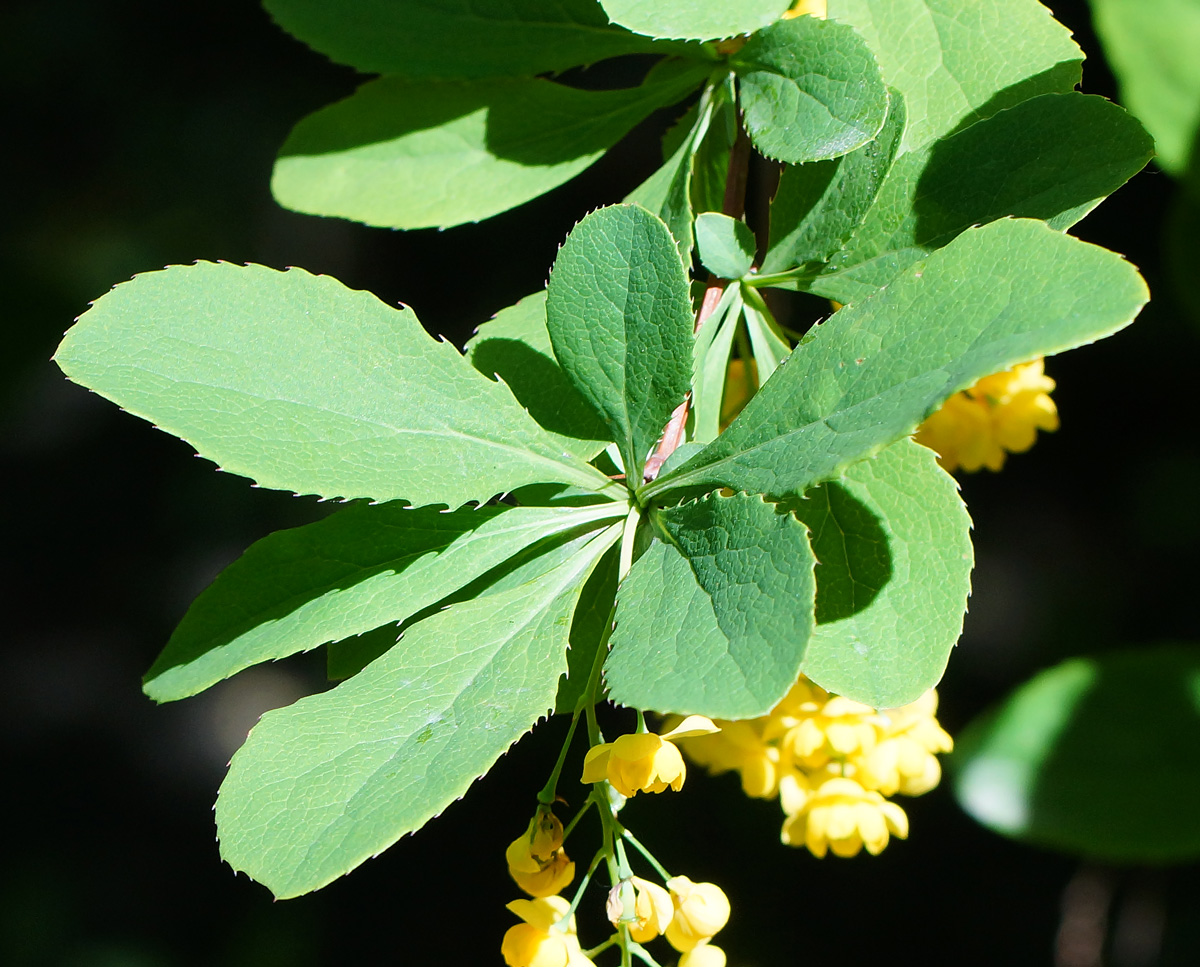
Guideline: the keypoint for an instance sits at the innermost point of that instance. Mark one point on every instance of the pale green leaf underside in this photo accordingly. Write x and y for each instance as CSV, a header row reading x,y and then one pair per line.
x,y
695,19
515,346
714,620
423,154
995,296
726,245
336,778
810,90
620,320
348,574
819,205
1153,47
1041,767
305,385
1053,157
956,61
456,38
884,644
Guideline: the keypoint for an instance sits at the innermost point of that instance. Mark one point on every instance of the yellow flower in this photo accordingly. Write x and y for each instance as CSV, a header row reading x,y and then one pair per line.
x,y
801,7
653,909
1000,414
537,942
905,760
644,762
536,860
843,816
701,909
703,955
840,728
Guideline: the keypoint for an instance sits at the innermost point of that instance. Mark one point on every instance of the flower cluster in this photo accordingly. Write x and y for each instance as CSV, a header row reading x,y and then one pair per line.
x,y
1000,414
831,762
536,859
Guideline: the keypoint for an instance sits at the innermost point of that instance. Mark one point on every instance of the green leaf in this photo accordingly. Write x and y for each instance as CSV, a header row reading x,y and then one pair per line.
x,y
819,205
892,539
304,385
348,574
515,346
956,61
591,620
1152,47
1053,157
810,90
336,778
770,348
726,245
710,363
457,38
421,154
668,192
995,296
1097,756
714,618
694,19
620,319
710,168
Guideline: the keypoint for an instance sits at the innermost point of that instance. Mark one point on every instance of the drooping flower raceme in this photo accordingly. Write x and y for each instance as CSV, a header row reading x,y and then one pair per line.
x,y
644,762
538,942
1000,414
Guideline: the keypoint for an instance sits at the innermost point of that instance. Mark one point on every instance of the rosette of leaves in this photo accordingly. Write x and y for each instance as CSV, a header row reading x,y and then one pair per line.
x,y
503,536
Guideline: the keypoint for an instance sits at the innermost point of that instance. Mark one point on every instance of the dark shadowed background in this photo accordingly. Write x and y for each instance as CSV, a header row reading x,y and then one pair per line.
x,y
138,134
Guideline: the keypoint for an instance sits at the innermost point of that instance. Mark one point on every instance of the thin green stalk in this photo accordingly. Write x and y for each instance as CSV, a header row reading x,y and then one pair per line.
x,y
550,790
637,845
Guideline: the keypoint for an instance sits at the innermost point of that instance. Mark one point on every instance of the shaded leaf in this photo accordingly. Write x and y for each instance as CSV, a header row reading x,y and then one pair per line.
x,y
620,319
304,385
515,346
342,576
1046,766
714,618
956,61
336,778
819,205
892,539
453,39
995,296
1053,157
590,621
421,154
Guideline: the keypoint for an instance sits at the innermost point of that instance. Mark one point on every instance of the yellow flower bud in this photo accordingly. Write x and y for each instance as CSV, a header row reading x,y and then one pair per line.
x,y
643,762
653,908
535,859
844,817
701,909
703,955
537,942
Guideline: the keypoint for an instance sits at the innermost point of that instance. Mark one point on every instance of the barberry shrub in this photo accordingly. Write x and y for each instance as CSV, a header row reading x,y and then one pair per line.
x,y
573,510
